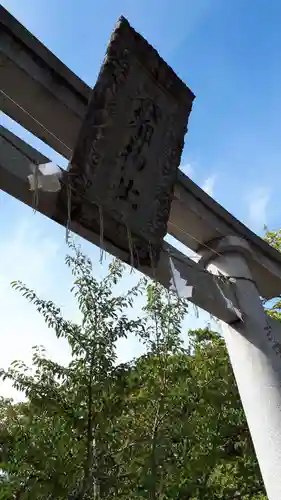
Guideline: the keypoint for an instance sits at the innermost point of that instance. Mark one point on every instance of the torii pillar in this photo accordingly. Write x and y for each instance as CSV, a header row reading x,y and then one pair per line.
x,y
254,347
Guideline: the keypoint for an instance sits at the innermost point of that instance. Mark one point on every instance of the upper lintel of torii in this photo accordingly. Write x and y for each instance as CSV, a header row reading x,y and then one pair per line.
x,y
55,116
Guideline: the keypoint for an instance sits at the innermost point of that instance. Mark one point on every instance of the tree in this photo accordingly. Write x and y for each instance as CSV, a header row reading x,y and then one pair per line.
x,y
273,238
168,425
62,443
148,399
203,448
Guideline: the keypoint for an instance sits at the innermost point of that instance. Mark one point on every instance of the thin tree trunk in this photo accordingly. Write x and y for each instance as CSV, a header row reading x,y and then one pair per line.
x,y
153,487
89,436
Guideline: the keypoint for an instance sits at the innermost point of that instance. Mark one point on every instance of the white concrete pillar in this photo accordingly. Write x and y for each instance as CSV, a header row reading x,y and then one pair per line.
x,y
256,363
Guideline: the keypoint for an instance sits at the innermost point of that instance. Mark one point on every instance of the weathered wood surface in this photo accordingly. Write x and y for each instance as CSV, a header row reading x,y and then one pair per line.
x,y
129,147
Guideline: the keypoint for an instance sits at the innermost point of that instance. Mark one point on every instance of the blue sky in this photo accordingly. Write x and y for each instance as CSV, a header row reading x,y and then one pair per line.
x,y
229,53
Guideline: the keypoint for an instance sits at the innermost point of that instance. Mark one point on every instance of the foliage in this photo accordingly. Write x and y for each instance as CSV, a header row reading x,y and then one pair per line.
x,y
66,445
149,397
169,425
193,429
273,238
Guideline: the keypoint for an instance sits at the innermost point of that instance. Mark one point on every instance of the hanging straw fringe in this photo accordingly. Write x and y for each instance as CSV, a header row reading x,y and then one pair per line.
x,y
68,194
36,188
101,234
131,250
151,260
137,257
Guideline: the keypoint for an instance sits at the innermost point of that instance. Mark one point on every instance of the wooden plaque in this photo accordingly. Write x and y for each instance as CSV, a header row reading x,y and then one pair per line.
x,y
125,161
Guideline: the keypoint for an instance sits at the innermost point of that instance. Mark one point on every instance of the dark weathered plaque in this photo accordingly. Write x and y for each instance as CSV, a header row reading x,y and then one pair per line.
x,y
126,157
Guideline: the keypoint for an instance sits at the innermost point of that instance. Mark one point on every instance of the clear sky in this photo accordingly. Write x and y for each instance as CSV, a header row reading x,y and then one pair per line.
x,y
229,53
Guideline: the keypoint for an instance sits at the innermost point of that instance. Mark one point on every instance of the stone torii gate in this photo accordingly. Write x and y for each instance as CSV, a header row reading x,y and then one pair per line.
x,y
139,194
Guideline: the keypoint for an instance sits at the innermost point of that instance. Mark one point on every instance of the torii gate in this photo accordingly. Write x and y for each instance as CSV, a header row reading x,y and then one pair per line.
x,y
236,267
